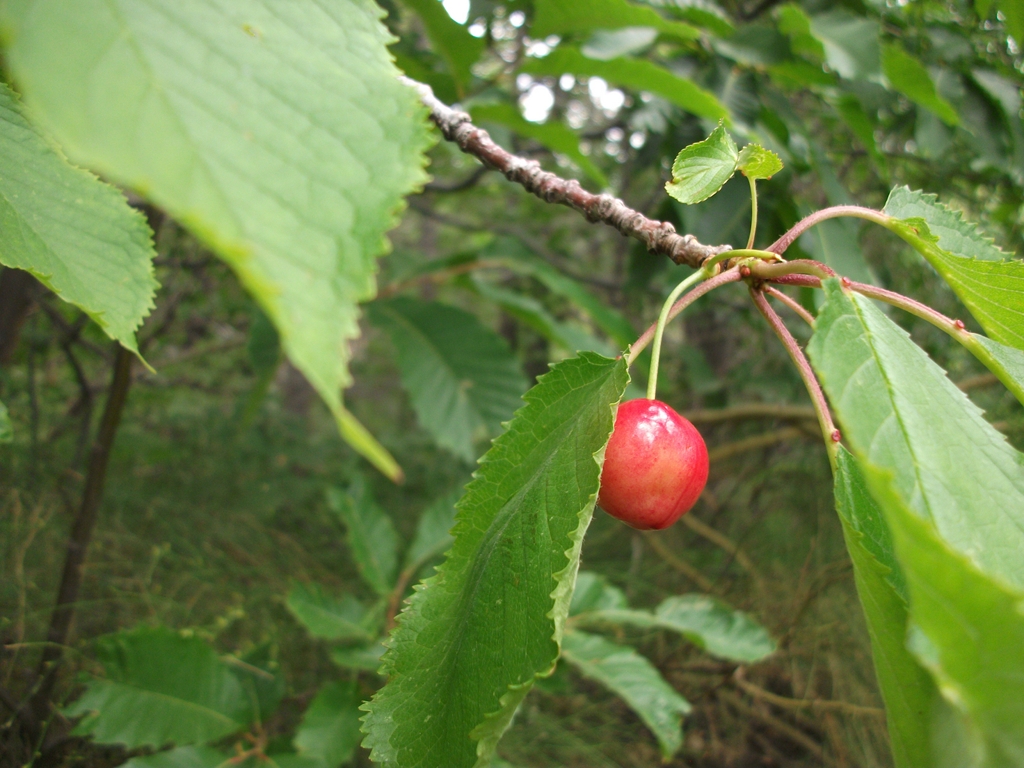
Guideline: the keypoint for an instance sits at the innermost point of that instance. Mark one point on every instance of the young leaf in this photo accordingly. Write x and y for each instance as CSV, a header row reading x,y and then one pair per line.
x,y
476,635
956,470
555,136
6,431
433,537
910,693
633,678
908,76
984,277
159,687
181,757
704,621
370,535
554,17
701,169
77,235
756,162
327,617
288,150
329,731
971,628
461,377
638,74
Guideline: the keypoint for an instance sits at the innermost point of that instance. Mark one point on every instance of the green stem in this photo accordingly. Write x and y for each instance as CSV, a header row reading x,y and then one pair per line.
x,y
652,382
753,212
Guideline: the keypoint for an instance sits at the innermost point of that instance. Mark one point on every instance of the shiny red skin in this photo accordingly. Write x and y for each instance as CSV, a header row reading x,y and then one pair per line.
x,y
655,466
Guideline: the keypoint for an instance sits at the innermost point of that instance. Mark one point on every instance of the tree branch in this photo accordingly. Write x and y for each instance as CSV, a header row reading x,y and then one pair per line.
x,y
659,237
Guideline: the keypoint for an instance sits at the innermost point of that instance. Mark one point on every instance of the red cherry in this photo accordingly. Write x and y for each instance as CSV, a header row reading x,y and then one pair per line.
x,y
655,466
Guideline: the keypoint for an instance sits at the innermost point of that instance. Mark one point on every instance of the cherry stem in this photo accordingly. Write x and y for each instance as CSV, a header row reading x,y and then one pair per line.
x,y
659,331
835,212
753,211
828,427
790,302
729,276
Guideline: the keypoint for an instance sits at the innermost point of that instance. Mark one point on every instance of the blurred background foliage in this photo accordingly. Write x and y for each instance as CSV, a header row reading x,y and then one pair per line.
x,y
215,501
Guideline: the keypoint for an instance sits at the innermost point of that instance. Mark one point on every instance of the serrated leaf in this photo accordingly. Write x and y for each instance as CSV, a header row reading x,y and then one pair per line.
x,y
704,621
461,376
971,628
159,687
181,757
633,678
451,40
756,162
288,150
850,42
909,692
908,76
329,730
433,537
984,277
369,533
555,136
638,74
6,430
480,631
956,471
1007,363
553,17
75,234
366,659
701,169
594,593
327,617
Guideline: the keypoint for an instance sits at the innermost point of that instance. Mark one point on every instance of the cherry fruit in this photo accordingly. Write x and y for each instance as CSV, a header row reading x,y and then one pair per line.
x,y
655,466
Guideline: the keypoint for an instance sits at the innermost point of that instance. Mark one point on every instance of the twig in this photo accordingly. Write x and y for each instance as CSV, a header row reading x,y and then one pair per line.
x,y
722,541
670,557
658,236
816,704
793,734
722,452
81,533
752,411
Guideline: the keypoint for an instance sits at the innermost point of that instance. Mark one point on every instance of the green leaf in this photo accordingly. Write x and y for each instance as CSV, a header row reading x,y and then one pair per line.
x,y
633,678
262,680
433,537
985,279
909,692
908,76
461,376
327,617
1013,12
638,74
756,162
607,44
370,534
594,593
702,13
181,757
956,470
704,621
288,150
971,628
554,136
75,234
6,431
451,40
366,659
861,124
329,730
701,169
1005,362
850,42
554,17
159,687
490,621
795,24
